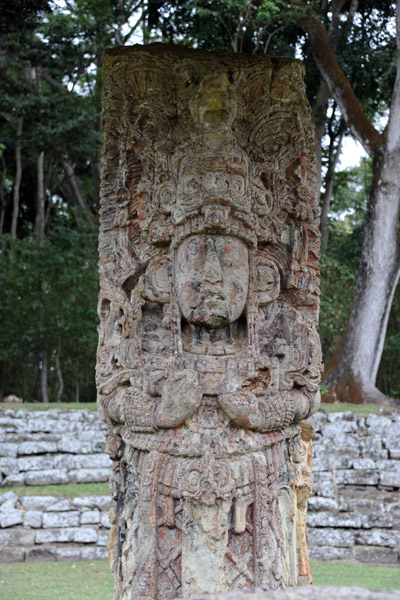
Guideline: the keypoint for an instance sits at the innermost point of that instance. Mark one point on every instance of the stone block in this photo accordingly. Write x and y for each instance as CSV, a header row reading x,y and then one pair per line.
x,y
36,463
61,519
379,537
378,424
319,503
69,553
85,535
327,553
390,478
55,535
8,449
327,519
364,464
33,518
36,448
17,536
388,465
41,554
89,475
46,477
323,485
393,452
72,446
103,537
37,502
60,506
11,555
105,520
90,516
376,555
8,497
101,502
340,538
357,477
8,465
97,553
13,480
10,517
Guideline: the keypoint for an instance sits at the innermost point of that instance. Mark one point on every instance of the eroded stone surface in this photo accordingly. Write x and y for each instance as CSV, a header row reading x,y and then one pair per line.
x,y
208,354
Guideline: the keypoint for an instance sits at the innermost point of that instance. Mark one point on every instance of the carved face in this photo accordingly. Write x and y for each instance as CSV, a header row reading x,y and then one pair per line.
x,y
212,274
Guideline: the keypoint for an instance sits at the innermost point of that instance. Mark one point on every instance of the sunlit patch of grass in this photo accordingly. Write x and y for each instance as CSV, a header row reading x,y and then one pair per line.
x,y
357,409
372,577
62,490
93,580
56,581
59,405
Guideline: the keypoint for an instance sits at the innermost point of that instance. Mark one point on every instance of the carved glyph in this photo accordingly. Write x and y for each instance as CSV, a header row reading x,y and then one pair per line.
x,y
208,356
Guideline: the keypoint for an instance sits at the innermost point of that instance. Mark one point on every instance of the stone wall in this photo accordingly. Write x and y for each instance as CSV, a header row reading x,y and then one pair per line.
x,y
355,511
52,446
43,528
354,514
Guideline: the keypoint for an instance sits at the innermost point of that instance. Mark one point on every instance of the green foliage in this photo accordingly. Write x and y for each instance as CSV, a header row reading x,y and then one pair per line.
x,y
48,299
388,379
338,275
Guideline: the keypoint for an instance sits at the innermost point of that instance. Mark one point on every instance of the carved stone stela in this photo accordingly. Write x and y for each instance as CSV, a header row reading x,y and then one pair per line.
x,y
209,359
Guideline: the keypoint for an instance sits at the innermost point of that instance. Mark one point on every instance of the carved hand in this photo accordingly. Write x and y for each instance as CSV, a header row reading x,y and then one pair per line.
x,y
242,407
181,396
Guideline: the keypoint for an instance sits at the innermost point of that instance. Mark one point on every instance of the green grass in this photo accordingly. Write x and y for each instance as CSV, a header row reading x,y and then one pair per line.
x,y
363,409
93,580
61,405
357,409
56,581
62,490
372,577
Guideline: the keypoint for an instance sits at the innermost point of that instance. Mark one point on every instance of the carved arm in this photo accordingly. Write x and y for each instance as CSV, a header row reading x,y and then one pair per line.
x,y
268,412
128,405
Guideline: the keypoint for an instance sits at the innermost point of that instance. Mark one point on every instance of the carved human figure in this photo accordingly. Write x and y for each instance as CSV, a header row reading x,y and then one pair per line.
x,y
208,355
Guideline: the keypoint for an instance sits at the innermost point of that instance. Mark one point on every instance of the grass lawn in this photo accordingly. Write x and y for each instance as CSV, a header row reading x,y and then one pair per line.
x,y
363,409
62,490
371,577
56,581
60,405
93,580
356,409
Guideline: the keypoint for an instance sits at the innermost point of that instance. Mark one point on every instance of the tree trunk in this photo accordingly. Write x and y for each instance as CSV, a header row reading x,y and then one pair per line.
x,y
319,117
76,192
2,199
43,378
329,179
351,374
77,383
59,372
18,176
40,206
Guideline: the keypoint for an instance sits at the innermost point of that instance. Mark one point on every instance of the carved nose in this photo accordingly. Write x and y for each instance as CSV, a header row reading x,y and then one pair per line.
x,y
212,269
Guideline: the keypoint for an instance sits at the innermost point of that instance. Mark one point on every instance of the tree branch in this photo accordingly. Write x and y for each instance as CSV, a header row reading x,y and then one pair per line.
x,y
340,88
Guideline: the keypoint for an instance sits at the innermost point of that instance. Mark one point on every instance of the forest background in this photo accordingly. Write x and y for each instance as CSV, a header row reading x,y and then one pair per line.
x,y
50,139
